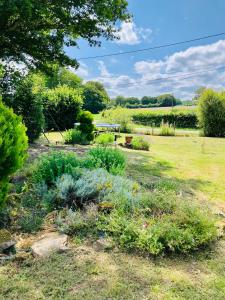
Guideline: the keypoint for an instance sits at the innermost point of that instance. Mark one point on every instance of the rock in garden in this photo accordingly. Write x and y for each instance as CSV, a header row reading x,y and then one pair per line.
x,y
6,241
48,243
103,244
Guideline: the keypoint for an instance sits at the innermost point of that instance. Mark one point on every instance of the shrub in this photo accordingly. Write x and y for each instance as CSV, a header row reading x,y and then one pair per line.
x,y
86,125
105,139
139,143
99,185
78,222
180,230
112,160
62,106
74,136
212,113
13,146
119,116
166,129
53,165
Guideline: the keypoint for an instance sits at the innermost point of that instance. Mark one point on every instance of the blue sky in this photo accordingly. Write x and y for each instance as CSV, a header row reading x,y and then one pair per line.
x,y
157,22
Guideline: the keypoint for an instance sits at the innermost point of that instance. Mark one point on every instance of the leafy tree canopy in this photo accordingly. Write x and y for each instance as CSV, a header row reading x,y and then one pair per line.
x,y
95,97
37,32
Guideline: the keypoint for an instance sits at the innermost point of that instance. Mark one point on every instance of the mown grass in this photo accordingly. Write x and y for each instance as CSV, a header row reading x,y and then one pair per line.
x,y
85,273
195,162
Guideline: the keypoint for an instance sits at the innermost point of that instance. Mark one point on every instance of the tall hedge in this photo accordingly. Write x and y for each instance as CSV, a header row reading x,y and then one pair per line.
x,y
211,108
179,119
13,146
62,106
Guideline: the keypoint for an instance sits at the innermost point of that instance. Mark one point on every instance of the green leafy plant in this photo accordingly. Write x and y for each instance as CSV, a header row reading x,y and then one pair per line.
x,y
139,143
78,222
86,125
74,136
113,160
120,116
53,165
28,104
166,129
105,139
13,146
62,106
211,106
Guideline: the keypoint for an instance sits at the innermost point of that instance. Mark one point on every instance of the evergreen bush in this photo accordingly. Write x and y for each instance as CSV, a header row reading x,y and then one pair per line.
x,y
13,146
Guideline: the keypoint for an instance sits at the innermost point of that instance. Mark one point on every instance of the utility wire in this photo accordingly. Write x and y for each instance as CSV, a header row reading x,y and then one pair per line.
x,y
156,80
153,48
167,73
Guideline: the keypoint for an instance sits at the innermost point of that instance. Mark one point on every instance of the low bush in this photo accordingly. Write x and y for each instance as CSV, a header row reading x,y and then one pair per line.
x,y
167,228
86,125
212,113
119,116
166,129
78,222
104,187
112,160
105,139
13,146
139,143
53,165
74,136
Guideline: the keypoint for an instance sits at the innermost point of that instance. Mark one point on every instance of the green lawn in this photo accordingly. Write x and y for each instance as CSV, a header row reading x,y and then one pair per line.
x,y
86,272
194,161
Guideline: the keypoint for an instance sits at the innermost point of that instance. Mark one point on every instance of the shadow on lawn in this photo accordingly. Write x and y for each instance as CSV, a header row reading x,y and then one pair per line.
x,y
147,171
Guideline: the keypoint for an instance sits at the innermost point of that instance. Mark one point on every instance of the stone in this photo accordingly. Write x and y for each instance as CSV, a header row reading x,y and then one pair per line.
x,y
103,244
49,243
6,241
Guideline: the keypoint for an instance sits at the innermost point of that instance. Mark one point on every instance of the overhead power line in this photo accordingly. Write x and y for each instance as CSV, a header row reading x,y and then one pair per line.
x,y
154,47
156,80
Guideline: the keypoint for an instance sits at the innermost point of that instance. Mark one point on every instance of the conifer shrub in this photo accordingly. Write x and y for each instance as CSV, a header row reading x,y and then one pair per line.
x,y
13,146
86,126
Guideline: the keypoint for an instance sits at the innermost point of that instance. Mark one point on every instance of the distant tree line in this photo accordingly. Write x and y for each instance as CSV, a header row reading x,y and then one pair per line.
x,y
165,100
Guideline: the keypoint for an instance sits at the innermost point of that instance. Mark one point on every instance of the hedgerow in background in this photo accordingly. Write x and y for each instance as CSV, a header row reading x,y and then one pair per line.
x,y
86,126
13,146
140,143
211,106
112,160
28,104
62,106
181,119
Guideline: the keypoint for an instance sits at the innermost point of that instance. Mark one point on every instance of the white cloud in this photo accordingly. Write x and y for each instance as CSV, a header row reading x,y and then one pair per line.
x,y
179,66
82,71
130,34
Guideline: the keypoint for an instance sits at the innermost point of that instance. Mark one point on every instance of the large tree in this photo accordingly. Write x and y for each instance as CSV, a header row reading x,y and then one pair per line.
x,y
95,97
37,32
